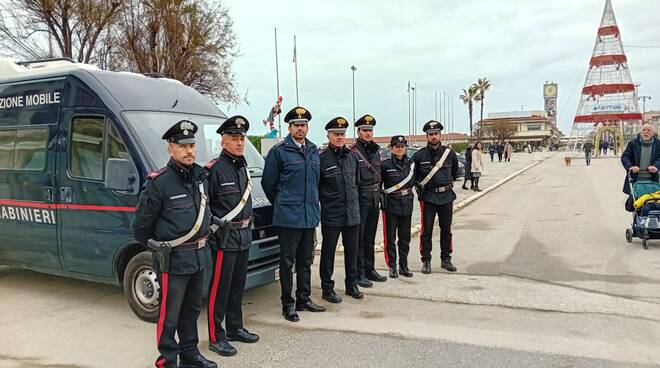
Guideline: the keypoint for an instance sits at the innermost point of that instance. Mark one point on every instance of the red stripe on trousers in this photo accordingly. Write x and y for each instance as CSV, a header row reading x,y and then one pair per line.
x,y
214,293
387,257
421,232
163,306
160,363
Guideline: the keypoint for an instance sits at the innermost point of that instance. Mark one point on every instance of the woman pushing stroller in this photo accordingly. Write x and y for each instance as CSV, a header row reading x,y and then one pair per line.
x,y
641,159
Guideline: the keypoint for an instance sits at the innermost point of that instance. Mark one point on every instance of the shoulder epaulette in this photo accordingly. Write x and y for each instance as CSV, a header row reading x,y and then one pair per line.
x,y
210,164
156,173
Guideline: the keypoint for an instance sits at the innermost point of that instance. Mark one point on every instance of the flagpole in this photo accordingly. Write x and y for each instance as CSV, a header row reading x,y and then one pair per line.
x,y
277,76
295,61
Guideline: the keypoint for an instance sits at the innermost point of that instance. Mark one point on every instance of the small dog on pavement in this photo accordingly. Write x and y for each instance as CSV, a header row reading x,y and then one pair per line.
x,y
568,160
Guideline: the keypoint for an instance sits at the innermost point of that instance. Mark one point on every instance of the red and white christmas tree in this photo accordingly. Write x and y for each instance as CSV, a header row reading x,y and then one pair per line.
x,y
609,96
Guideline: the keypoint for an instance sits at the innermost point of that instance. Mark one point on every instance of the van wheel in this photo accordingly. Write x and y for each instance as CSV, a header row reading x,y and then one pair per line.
x,y
141,287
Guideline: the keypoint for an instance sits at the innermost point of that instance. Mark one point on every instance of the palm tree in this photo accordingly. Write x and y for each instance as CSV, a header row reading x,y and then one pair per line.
x,y
468,98
482,86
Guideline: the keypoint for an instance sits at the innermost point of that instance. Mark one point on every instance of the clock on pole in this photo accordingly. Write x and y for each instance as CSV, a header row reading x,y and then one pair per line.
x,y
550,91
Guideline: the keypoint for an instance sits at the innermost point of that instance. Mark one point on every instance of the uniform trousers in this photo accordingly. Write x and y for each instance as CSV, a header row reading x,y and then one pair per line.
x,y
349,237
394,225
296,247
226,296
444,213
367,238
180,304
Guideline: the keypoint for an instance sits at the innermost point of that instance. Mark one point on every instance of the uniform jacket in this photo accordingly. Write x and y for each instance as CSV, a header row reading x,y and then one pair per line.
x,y
425,159
393,171
338,187
368,154
227,183
291,183
477,161
632,155
167,209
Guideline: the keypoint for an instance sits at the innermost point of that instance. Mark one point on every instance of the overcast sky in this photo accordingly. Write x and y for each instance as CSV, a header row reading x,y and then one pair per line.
x,y
443,45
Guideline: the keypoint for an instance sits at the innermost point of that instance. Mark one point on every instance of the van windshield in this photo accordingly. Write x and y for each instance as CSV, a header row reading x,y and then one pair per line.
x,y
149,127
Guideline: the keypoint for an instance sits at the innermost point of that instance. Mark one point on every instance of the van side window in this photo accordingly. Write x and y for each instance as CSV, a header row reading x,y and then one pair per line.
x,y
86,155
23,149
88,152
7,143
30,151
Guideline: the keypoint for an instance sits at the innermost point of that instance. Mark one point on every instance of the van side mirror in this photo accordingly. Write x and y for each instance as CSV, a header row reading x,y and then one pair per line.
x,y
121,175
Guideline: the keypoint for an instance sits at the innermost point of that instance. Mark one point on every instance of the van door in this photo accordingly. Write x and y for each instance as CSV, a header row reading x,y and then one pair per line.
x,y
94,222
28,222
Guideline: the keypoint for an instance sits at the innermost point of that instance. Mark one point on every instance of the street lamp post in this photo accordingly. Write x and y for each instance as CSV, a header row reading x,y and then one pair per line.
x,y
353,68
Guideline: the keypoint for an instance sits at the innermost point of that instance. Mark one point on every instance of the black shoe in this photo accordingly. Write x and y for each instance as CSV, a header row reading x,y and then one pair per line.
x,y
242,335
363,281
290,314
197,361
309,306
426,267
464,187
224,348
354,292
331,297
404,271
393,273
448,266
375,276
476,189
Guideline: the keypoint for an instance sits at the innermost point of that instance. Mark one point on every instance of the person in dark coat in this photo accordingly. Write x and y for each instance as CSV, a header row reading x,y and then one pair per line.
x,y
368,154
436,195
588,151
500,151
468,168
398,180
171,206
291,183
340,211
641,159
231,202
491,151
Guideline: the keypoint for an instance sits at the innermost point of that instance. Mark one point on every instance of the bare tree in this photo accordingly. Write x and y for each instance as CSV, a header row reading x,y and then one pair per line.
x,y
500,131
189,40
35,29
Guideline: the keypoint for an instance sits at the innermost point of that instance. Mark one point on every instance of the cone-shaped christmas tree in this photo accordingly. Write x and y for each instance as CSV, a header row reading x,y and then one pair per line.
x,y
608,104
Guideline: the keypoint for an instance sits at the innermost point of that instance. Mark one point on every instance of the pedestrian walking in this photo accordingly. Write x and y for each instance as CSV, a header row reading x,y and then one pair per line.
x,y
230,189
368,154
468,166
477,165
398,180
491,151
291,183
340,211
500,151
588,149
508,151
641,159
172,219
436,168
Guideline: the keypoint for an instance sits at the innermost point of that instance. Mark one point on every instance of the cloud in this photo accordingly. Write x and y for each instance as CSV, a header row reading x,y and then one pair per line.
x,y
442,45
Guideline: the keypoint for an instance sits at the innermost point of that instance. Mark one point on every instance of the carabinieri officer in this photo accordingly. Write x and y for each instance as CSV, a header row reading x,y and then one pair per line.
x,y
368,154
230,197
340,213
291,183
436,168
398,181
172,218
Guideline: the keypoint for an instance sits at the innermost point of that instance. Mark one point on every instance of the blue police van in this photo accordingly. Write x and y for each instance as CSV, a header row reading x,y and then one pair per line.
x,y
64,127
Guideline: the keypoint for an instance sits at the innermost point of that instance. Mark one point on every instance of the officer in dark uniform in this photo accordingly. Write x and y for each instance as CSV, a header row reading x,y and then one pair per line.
x,y
398,181
231,203
340,213
367,152
436,168
172,218
291,183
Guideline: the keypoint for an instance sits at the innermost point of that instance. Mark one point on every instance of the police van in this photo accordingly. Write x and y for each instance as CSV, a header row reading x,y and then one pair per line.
x,y
76,144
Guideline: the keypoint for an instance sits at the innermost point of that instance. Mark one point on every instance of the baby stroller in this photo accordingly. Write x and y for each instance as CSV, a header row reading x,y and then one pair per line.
x,y
646,214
